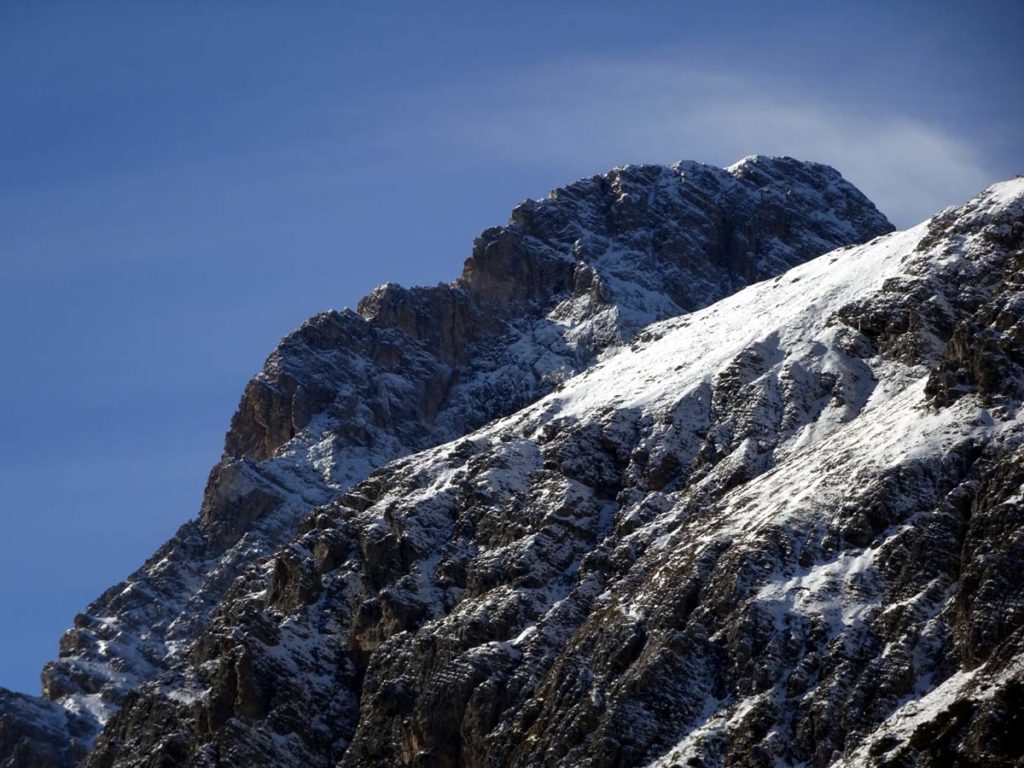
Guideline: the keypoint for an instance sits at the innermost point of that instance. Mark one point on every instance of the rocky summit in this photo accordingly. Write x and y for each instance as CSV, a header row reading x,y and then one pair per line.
x,y
690,466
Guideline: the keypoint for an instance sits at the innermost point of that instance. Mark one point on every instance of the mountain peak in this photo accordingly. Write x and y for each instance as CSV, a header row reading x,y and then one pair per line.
x,y
801,500
567,280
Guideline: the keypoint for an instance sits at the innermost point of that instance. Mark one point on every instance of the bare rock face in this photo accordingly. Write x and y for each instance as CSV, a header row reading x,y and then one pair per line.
x,y
762,534
567,282
37,732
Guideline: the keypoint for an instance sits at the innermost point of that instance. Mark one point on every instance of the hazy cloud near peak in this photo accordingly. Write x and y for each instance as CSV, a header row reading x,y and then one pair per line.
x,y
589,115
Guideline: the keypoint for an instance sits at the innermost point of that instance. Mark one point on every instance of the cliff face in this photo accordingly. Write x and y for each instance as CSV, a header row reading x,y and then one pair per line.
x,y
783,530
564,285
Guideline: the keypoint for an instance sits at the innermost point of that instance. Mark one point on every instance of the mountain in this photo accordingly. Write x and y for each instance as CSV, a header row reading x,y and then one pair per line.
x,y
497,600
783,530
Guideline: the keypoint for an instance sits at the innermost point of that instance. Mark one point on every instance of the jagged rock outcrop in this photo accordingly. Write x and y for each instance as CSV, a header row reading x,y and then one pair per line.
x,y
41,733
782,530
539,300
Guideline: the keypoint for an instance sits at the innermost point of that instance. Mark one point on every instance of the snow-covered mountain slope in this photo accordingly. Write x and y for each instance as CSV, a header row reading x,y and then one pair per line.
x,y
786,529
539,300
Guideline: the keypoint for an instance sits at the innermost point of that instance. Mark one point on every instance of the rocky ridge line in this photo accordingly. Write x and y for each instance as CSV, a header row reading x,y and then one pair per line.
x,y
783,530
538,301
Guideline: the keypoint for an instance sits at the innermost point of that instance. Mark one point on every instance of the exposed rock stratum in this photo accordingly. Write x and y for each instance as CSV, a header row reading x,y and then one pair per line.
x,y
691,466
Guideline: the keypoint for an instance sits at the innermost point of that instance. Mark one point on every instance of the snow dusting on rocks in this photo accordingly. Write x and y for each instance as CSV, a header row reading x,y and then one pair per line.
x,y
542,516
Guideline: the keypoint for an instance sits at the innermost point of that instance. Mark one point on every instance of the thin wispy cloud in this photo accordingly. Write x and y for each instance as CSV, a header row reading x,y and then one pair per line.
x,y
591,114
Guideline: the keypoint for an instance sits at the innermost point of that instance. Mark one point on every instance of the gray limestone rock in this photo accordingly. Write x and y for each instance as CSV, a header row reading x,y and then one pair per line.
x,y
182,651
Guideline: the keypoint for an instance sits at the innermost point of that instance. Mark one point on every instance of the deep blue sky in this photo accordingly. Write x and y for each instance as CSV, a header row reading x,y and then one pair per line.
x,y
183,183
